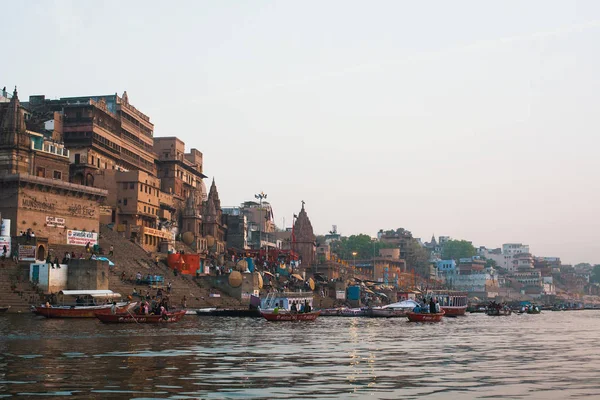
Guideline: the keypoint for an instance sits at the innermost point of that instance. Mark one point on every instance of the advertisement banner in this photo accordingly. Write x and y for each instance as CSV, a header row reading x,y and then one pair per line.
x,y
5,241
81,238
26,252
55,221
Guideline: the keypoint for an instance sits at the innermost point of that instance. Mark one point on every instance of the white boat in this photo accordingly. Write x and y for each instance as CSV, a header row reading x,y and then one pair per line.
x,y
393,310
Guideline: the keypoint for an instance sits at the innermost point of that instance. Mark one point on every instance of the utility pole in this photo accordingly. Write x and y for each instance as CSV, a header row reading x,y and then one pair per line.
x,y
260,197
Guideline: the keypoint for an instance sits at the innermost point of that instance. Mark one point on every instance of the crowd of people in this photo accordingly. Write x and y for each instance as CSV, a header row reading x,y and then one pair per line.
x,y
428,306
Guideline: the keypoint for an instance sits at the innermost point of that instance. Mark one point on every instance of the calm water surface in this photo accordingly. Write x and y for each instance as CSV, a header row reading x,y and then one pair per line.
x,y
554,355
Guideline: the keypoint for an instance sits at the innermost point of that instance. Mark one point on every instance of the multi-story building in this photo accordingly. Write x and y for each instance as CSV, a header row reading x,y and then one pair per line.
x,y
400,238
260,225
446,269
180,173
522,262
35,192
106,132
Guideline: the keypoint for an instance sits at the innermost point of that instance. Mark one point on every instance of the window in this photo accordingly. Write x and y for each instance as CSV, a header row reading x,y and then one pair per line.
x,y
124,185
77,158
144,208
57,175
141,188
131,185
40,171
124,202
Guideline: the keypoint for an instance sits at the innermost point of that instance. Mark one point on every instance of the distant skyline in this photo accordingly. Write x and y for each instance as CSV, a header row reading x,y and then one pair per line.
x,y
475,120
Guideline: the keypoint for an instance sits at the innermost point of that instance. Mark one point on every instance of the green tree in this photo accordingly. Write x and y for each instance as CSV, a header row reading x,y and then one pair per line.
x,y
417,257
457,249
490,263
364,246
595,276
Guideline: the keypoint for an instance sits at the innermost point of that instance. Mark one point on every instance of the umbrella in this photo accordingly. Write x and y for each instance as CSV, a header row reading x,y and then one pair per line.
x,y
268,273
298,276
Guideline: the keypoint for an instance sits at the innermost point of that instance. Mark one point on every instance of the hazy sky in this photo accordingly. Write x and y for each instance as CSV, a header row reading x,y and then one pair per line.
x,y
477,120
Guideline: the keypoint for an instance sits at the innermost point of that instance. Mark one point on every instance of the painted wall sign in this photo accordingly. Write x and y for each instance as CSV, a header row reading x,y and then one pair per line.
x,y
81,238
79,210
33,202
55,221
26,252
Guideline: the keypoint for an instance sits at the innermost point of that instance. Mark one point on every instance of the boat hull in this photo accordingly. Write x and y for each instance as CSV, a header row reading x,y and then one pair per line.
x,y
454,311
498,313
387,313
121,318
270,316
418,317
76,312
4,309
229,312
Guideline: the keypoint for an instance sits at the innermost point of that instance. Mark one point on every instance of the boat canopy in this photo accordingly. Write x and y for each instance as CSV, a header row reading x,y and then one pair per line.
x,y
103,294
403,304
298,276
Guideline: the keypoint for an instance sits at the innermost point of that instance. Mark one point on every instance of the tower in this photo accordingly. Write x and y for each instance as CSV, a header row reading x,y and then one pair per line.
x,y
305,243
15,143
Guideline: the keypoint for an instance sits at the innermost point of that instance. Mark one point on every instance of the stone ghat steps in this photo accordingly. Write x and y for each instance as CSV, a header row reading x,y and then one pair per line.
x,y
129,258
15,289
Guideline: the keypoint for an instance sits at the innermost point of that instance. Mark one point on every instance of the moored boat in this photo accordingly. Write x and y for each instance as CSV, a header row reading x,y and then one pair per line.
x,y
498,312
387,313
394,310
228,312
4,309
453,303
128,317
289,316
424,317
85,306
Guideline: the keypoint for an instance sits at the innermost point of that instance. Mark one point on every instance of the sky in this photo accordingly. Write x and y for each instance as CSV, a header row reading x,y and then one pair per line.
x,y
475,120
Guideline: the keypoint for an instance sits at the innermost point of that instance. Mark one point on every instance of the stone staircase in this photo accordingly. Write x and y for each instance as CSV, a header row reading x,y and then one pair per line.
x,y
130,258
15,289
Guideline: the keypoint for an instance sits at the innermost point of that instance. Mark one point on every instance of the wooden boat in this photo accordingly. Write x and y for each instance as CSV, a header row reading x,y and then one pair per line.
x,y
128,317
424,317
498,312
331,312
228,312
85,309
380,312
77,311
534,311
289,316
453,303
4,309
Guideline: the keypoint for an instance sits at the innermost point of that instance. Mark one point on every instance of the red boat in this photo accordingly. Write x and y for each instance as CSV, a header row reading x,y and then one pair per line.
x,y
75,311
85,307
423,317
140,318
288,316
453,303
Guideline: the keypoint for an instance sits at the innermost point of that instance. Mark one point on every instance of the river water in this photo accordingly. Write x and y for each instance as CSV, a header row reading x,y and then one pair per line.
x,y
554,355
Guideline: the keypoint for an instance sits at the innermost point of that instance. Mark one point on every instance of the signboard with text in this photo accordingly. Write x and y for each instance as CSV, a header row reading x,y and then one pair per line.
x,y
81,238
26,252
55,221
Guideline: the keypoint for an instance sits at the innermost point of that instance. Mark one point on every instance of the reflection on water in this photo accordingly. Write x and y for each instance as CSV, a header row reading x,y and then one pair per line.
x,y
550,356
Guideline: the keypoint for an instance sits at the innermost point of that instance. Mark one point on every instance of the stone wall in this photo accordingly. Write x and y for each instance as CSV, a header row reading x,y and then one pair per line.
x,y
87,275
35,207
